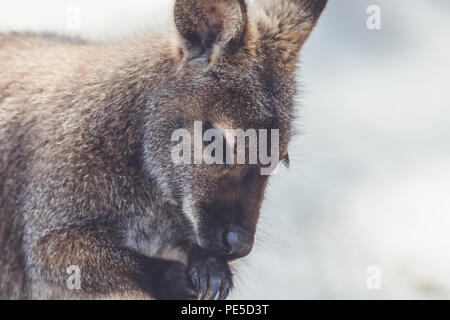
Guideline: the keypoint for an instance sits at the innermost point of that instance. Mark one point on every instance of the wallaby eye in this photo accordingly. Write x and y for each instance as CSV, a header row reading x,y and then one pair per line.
x,y
206,126
211,139
286,161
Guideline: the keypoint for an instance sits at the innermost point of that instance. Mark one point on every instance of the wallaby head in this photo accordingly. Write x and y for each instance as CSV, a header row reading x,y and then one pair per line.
x,y
144,163
236,70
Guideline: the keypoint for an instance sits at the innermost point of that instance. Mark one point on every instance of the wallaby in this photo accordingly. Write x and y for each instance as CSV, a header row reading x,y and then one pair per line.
x,y
86,177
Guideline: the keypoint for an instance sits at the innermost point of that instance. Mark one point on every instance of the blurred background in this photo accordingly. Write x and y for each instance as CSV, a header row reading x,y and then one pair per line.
x,y
364,211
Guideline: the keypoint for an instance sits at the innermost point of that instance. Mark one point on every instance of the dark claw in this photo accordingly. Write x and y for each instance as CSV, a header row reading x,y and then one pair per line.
x,y
214,290
224,291
204,282
194,275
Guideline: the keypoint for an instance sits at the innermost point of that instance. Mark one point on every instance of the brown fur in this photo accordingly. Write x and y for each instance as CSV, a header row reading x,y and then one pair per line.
x,y
85,172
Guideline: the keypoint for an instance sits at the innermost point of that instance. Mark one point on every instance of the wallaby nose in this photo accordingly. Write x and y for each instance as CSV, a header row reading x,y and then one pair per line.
x,y
237,242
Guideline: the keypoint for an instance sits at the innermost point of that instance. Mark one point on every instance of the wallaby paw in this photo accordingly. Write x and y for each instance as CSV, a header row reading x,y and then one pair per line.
x,y
211,278
176,284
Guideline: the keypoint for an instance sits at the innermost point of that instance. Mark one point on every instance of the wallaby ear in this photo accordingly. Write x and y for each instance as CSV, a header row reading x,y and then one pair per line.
x,y
211,25
284,26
